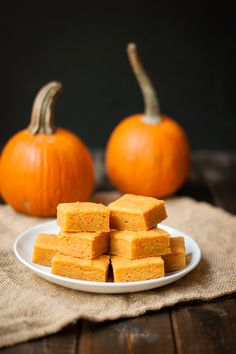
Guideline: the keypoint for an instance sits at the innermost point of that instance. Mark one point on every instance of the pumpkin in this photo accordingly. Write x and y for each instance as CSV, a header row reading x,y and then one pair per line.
x,y
42,166
147,154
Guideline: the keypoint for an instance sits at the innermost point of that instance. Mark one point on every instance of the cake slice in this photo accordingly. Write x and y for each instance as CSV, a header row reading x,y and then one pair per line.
x,y
83,217
45,247
139,244
83,269
177,259
127,270
136,213
83,244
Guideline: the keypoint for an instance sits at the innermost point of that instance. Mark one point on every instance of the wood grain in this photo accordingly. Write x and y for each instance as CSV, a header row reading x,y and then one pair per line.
x,y
205,328
63,342
150,333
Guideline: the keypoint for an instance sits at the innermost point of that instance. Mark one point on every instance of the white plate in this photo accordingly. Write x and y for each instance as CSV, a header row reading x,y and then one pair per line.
x,y
23,248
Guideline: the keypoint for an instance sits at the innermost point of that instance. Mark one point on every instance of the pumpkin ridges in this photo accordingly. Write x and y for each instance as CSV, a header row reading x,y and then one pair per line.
x,y
124,178
32,183
9,180
86,173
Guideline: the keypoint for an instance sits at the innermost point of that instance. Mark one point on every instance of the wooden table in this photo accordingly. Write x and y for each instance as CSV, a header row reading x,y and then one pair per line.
x,y
188,328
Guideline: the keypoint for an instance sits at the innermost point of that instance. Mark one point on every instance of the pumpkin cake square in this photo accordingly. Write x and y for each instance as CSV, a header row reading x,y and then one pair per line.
x,y
139,244
136,213
83,244
45,247
128,270
79,268
177,259
83,217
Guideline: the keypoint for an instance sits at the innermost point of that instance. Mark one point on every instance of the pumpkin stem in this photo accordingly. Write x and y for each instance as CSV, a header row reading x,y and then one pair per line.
x,y
42,116
152,112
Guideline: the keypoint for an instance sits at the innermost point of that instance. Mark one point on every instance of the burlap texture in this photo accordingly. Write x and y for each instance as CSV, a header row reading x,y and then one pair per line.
x,y
31,307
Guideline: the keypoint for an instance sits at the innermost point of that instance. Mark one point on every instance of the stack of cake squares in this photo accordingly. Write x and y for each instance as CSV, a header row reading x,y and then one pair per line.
x,y
78,251
123,234
83,241
139,249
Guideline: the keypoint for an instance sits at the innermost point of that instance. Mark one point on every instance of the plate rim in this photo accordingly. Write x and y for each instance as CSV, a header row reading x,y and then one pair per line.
x,y
43,273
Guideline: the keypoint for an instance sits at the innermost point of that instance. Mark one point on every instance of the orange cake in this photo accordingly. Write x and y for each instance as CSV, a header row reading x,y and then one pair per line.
x,y
83,244
127,270
45,247
83,217
139,244
136,213
177,259
83,269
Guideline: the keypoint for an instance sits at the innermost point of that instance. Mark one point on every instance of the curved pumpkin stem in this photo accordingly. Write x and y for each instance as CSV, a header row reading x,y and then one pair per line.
x,y
152,112
42,116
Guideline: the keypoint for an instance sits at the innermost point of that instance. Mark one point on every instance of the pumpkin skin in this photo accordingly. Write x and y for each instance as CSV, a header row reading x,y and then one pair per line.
x,y
147,154
147,159
39,171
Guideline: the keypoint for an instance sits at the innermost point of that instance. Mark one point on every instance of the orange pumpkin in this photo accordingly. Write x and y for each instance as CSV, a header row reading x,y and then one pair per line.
x,y
148,153
42,165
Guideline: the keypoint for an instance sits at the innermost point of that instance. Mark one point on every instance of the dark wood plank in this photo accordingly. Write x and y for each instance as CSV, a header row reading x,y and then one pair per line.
x,y
63,342
24,348
146,334
210,327
195,186
205,328
219,174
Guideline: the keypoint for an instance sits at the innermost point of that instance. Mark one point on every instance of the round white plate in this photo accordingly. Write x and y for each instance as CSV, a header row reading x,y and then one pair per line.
x,y
23,249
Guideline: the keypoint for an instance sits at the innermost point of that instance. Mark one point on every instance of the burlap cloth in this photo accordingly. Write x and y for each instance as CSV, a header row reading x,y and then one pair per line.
x,y
31,307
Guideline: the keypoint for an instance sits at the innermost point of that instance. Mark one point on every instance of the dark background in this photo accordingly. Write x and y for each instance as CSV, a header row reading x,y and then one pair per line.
x,y
188,49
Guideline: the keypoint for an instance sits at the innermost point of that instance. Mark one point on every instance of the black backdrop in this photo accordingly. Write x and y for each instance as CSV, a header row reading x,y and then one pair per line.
x,y
187,47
